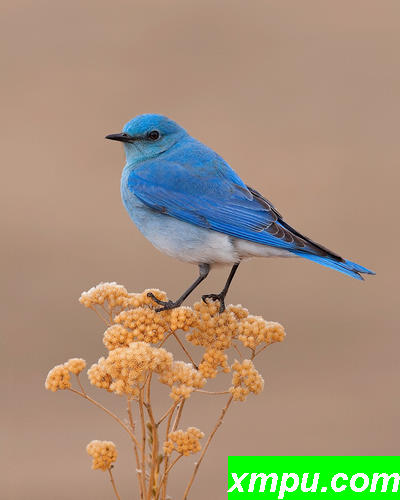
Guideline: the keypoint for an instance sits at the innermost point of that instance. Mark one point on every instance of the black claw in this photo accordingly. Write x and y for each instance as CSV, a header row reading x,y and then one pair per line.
x,y
158,301
212,296
215,296
166,305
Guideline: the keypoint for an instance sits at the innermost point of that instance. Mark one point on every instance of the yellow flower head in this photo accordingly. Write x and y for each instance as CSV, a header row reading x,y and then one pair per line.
x,y
183,379
245,379
98,376
104,453
117,336
146,324
213,359
254,330
181,318
184,442
114,294
213,329
125,367
75,365
58,378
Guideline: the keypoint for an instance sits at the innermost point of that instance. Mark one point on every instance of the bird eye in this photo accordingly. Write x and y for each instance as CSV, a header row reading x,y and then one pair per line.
x,y
153,135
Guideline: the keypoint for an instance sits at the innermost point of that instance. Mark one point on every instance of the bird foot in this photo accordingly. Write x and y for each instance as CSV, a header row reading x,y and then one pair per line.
x,y
215,296
166,305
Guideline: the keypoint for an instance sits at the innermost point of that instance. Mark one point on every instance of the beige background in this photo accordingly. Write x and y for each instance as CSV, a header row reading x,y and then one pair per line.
x,y
302,98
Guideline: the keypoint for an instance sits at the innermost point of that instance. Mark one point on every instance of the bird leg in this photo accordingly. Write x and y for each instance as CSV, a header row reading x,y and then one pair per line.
x,y
221,296
204,269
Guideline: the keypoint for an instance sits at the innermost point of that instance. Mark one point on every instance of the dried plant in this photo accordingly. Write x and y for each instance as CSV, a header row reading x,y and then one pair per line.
x,y
134,340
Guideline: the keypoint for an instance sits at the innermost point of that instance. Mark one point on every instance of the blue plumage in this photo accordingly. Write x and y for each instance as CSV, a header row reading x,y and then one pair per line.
x,y
189,202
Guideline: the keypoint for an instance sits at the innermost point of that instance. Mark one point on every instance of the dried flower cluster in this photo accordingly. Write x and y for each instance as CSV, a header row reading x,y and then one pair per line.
x,y
117,336
59,377
245,379
76,365
104,453
125,368
184,442
183,379
254,330
136,358
116,296
112,293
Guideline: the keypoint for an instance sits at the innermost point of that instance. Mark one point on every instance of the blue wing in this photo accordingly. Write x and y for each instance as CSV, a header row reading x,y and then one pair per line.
x,y
208,193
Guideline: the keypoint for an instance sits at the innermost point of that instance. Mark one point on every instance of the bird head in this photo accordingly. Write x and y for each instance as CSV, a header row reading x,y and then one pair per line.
x,y
147,136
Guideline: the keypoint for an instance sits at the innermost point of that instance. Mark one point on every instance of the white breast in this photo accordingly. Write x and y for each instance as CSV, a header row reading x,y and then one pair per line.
x,y
248,249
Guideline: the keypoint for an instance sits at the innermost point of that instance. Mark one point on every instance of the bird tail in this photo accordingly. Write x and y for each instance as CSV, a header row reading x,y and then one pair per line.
x,y
346,266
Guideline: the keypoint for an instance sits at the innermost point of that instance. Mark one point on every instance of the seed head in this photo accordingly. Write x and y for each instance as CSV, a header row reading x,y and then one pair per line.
x,y
58,378
245,379
104,453
183,379
75,365
184,442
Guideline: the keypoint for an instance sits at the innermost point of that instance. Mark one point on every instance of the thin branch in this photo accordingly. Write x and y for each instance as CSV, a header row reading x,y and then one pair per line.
x,y
113,483
143,426
185,350
178,415
166,457
117,419
139,472
219,422
80,383
154,451
130,416
237,350
109,312
171,408
173,463
93,308
260,350
165,339
212,392
165,476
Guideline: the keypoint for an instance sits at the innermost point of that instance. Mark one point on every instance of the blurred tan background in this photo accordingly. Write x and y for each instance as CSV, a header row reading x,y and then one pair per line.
x,y
302,99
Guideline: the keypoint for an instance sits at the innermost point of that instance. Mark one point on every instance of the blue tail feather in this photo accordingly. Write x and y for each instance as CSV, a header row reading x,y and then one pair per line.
x,y
346,267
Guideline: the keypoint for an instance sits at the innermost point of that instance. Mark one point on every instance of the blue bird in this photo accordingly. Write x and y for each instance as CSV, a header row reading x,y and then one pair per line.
x,y
191,205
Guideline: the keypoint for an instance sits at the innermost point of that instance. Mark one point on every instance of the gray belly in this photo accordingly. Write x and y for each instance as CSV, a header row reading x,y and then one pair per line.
x,y
180,239
191,243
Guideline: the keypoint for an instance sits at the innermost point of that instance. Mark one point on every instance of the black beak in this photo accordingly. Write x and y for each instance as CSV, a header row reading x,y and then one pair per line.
x,y
122,137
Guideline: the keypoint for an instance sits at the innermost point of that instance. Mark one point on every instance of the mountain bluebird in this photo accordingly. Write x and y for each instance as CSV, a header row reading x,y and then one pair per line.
x,y
191,205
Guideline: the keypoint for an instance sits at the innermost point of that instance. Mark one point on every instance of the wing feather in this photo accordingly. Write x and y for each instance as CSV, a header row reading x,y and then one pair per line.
x,y
211,195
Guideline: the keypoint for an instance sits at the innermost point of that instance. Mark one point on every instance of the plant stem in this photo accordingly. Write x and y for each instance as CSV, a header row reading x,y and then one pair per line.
x,y
171,408
154,452
139,472
143,426
196,468
165,339
108,312
212,392
166,457
260,350
178,415
185,350
93,308
113,483
165,476
117,419
80,384
237,350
